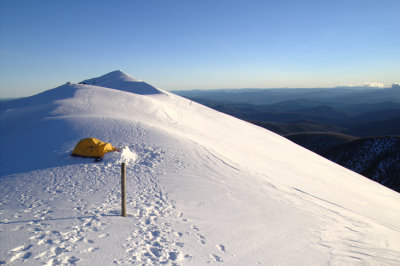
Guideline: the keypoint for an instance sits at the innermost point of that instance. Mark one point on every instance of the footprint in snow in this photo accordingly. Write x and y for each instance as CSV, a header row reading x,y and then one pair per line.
x,y
221,247
195,227
216,258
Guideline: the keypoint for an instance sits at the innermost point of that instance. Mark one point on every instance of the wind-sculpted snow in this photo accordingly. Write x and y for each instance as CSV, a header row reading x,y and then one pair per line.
x,y
202,187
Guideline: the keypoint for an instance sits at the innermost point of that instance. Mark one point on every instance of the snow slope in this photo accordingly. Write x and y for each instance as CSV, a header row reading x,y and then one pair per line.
x,y
203,187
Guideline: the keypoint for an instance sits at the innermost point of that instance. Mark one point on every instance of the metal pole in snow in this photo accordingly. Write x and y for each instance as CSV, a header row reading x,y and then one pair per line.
x,y
123,189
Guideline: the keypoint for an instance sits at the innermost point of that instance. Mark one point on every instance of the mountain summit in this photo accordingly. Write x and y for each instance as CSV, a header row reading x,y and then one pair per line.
x,y
121,81
203,187
113,76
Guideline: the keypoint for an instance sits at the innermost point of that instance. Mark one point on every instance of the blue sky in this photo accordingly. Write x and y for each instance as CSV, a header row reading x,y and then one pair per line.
x,y
204,44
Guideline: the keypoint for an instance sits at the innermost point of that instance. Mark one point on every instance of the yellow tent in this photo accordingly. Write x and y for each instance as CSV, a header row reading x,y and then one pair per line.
x,y
92,147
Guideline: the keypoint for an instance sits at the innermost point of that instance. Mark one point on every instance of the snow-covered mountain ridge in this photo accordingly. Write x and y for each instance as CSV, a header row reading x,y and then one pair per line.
x,y
205,188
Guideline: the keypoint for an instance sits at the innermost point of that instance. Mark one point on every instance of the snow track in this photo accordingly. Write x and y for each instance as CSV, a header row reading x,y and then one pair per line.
x,y
150,241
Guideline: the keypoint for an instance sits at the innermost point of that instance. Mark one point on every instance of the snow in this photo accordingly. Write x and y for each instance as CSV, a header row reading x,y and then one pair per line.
x,y
121,81
202,187
127,156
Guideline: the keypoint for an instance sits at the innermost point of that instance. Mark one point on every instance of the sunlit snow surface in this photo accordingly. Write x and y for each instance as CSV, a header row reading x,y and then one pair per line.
x,y
203,187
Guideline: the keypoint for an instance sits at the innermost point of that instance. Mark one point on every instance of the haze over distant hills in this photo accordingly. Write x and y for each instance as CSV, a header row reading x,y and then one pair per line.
x,y
338,95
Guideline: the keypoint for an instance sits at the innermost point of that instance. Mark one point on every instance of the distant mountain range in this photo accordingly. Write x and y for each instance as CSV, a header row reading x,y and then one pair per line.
x,y
339,96
370,119
344,125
